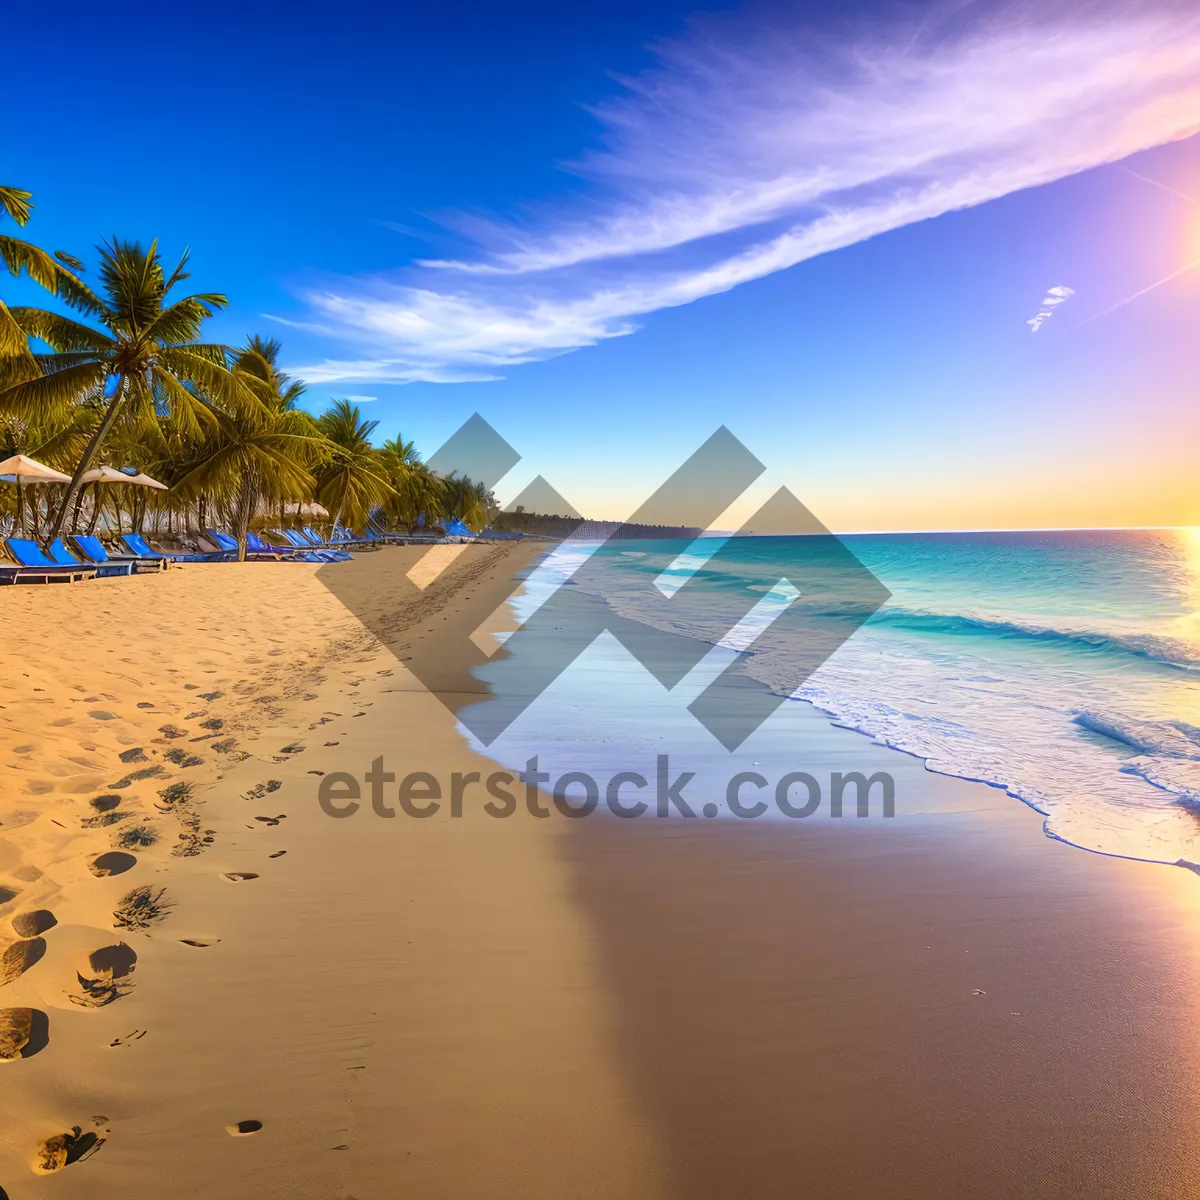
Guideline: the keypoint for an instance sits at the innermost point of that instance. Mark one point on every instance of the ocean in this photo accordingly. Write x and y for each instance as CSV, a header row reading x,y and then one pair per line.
x,y
1063,667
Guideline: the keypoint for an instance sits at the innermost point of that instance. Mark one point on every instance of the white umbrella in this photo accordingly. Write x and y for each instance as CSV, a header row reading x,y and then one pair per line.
x,y
112,475
141,479
104,475
23,470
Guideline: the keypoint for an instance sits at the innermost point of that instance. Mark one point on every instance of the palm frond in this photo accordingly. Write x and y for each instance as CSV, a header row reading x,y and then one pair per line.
x,y
15,202
16,362
61,333
182,321
53,395
23,258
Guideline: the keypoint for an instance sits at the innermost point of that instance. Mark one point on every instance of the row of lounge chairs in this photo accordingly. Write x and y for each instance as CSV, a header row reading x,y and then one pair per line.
x,y
90,559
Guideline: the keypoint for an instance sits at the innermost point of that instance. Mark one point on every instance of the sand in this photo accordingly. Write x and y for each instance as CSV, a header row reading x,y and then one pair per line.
x,y
948,1004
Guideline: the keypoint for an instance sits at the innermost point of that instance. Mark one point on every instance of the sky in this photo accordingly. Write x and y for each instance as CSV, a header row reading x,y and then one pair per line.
x,y
611,229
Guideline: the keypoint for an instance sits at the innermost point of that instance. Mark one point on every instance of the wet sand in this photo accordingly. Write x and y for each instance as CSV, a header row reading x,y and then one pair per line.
x,y
947,1004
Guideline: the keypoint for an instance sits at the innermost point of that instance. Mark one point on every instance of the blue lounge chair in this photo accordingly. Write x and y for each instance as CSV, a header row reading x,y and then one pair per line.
x,y
59,554
136,545
260,545
301,543
227,542
334,543
92,548
310,538
35,567
346,536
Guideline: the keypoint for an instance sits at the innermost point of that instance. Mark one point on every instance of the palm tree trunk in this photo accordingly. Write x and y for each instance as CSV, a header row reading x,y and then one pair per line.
x,y
94,520
243,508
78,509
106,423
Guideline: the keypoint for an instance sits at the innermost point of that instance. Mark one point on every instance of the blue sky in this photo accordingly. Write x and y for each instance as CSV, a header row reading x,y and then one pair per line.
x,y
611,228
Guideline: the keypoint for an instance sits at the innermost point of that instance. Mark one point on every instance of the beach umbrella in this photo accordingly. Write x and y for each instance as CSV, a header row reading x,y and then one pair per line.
x,y
130,475
141,479
23,470
104,475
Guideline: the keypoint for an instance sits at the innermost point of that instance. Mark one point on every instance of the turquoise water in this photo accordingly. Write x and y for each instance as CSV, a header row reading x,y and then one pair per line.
x,y
1063,667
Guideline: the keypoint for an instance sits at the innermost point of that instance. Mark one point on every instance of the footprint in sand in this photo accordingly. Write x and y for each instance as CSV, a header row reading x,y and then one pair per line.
x,y
211,695
7,894
242,1128
259,790
105,976
145,704
181,758
135,1036
277,854
112,862
268,820
36,921
239,876
18,957
23,1032
133,777
64,1149
100,714
199,943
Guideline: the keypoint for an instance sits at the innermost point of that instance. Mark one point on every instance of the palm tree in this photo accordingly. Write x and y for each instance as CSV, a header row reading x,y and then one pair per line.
x,y
353,480
470,502
262,448
145,362
415,488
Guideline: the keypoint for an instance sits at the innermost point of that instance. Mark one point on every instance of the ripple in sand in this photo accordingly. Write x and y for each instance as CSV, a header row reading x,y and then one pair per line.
x,y
239,876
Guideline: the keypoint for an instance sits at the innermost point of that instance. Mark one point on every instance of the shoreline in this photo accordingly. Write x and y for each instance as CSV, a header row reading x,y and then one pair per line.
x,y
607,1008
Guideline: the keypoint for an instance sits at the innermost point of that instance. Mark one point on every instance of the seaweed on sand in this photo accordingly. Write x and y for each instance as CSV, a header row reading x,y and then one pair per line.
x,y
141,907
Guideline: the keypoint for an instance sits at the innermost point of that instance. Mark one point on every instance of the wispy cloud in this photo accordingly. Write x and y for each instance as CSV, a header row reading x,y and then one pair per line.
x,y
1053,298
752,147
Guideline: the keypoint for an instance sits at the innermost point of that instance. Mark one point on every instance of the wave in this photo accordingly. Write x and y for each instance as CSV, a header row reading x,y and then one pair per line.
x,y
1164,739
840,603
1171,652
